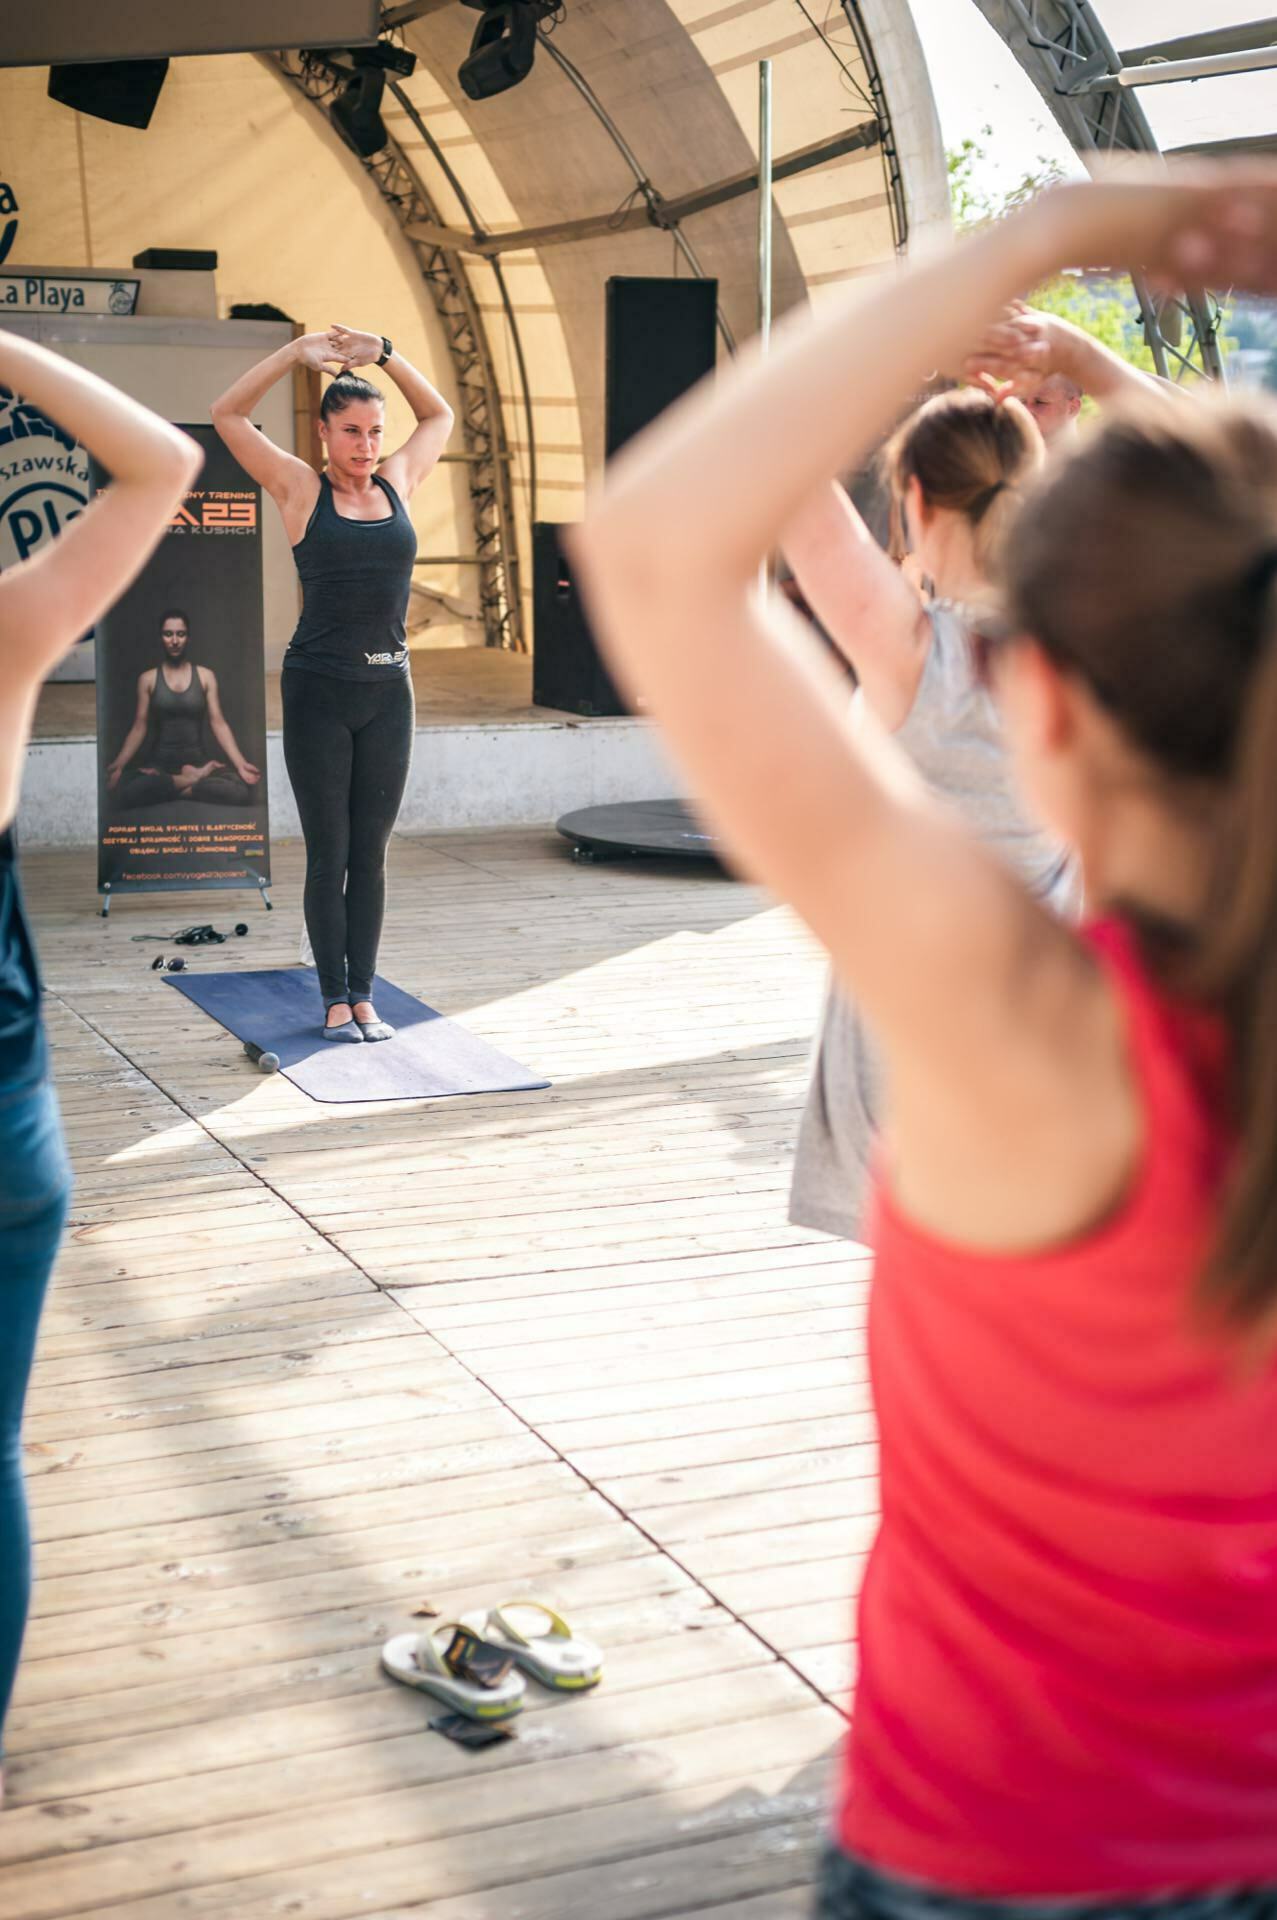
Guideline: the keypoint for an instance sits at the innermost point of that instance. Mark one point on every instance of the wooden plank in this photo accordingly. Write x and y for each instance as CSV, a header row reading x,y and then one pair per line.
x,y
189,1658
390,1425
760,1821
493,1567
224,1772
650,1640
319,1499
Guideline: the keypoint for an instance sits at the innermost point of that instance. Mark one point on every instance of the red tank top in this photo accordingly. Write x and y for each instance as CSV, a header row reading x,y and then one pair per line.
x,y
1068,1661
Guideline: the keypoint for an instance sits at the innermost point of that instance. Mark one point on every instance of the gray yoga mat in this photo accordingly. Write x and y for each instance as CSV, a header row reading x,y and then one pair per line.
x,y
280,1010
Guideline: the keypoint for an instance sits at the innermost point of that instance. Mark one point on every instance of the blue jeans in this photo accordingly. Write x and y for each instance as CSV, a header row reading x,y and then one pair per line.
x,y
35,1187
850,1889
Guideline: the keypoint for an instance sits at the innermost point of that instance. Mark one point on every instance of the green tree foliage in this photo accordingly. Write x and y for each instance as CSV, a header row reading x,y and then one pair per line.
x,y
1102,305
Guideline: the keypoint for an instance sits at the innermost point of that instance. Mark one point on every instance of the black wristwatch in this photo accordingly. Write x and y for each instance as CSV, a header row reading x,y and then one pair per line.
x,y
387,348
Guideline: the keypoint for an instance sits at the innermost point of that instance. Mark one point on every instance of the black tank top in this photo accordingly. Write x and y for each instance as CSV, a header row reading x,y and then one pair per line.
x,y
355,577
177,719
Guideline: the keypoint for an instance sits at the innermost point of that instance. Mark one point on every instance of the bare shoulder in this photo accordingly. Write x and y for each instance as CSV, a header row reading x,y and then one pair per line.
x,y
395,471
995,1156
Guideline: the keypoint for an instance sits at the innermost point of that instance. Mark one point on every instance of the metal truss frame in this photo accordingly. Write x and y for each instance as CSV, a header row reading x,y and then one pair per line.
x,y
487,452
897,200
1068,56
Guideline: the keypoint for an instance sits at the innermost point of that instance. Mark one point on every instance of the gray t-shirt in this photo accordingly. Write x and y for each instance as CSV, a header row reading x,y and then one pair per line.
x,y
953,735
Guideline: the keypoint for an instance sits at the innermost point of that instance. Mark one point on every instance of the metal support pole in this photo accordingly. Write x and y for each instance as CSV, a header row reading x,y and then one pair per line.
x,y
765,170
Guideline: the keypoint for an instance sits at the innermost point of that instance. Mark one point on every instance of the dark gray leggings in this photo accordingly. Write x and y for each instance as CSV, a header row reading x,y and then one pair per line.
x,y
347,746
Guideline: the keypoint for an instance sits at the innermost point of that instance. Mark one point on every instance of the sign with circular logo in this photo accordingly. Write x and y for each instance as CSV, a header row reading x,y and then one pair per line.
x,y
44,478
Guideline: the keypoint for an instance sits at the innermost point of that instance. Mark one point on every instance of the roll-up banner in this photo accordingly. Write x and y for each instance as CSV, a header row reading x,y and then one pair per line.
x,y
182,699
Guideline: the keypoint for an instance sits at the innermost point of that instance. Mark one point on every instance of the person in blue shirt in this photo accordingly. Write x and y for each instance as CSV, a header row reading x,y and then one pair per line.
x,y
46,603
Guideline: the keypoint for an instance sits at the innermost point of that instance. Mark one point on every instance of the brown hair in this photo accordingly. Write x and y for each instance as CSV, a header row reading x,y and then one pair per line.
x,y
970,455
344,391
1148,566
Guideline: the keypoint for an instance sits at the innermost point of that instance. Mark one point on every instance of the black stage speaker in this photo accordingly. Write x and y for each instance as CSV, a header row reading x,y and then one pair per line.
x,y
123,91
566,669
181,260
661,339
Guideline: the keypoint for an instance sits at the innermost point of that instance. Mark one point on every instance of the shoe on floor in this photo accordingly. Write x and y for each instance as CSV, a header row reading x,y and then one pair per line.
x,y
347,1031
376,1029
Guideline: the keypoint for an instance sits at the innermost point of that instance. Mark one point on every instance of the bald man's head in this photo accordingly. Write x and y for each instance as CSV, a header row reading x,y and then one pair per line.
x,y
1055,404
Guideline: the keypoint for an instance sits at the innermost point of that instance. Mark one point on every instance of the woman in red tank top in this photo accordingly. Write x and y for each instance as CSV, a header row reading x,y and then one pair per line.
x,y
1068,1664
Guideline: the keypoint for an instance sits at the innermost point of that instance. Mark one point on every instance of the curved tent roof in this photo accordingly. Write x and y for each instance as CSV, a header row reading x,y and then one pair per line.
x,y
633,141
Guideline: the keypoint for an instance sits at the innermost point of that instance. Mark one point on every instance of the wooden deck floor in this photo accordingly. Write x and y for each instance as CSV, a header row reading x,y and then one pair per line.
x,y
308,1368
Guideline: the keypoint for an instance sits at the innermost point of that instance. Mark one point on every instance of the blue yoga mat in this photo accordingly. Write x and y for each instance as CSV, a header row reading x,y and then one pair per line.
x,y
281,1011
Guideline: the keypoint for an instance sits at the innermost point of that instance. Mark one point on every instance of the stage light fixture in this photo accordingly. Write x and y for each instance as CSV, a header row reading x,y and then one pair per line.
x,y
356,112
504,45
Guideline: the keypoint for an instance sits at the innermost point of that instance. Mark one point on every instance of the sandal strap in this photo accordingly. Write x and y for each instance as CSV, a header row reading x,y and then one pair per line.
x,y
427,1653
559,1628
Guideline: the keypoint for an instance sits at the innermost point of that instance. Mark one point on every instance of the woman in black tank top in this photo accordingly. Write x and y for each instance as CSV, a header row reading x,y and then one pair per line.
x,y
349,716
167,752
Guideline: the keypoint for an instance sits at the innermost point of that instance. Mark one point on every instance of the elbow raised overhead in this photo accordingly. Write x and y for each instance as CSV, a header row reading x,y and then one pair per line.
x,y
188,457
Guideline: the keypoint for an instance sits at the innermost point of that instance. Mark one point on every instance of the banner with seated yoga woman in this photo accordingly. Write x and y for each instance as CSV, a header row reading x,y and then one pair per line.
x,y
181,700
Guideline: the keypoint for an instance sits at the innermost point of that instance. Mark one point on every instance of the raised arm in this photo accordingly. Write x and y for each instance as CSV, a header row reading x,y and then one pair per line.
x,y
861,598
291,483
1024,346
48,601
940,946
411,463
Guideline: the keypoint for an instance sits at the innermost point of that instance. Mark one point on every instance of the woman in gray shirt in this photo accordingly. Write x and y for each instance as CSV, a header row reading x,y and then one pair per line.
x,y
955,469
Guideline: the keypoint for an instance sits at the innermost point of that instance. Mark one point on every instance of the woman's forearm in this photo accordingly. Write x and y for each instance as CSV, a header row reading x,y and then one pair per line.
x,y
1095,368
134,445
132,741
427,402
221,732
251,387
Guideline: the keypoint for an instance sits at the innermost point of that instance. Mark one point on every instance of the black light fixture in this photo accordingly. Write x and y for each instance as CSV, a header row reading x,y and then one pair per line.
x,y
356,112
504,44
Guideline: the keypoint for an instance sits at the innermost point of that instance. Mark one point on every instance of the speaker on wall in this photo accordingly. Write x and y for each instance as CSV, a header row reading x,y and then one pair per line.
x,y
661,339
567,672
122,91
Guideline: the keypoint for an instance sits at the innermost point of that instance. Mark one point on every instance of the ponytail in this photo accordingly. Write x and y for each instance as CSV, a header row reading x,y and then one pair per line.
x,y
344,391
969,454
1237,967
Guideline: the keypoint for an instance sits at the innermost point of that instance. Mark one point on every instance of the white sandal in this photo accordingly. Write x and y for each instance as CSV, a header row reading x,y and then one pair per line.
x,y
424,1660
552,1655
